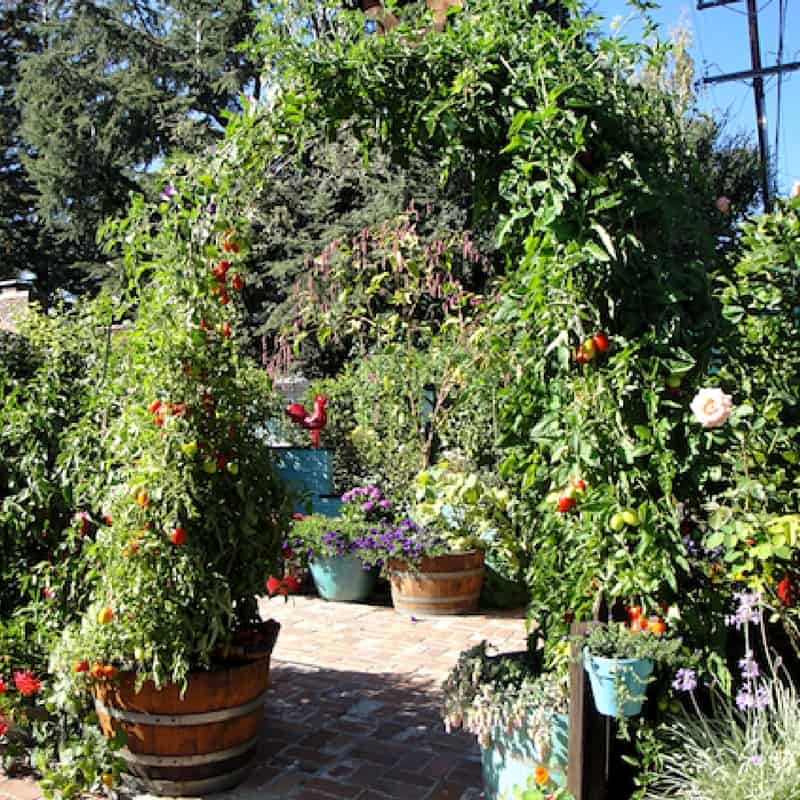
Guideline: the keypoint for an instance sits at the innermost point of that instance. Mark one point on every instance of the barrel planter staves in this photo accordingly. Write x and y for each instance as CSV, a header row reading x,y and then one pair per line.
x,y
197,744
439,585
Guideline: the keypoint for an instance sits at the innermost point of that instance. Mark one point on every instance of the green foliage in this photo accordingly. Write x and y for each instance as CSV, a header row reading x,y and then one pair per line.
x,y
52,378
741,756
486,694
196,513
617,640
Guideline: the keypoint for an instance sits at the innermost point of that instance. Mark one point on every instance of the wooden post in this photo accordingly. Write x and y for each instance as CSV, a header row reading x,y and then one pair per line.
x,y
592,736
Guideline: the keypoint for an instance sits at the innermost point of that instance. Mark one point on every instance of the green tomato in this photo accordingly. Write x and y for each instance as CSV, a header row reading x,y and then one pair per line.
x,y
210,467
630,517
616,522
189,449
674,381
233,468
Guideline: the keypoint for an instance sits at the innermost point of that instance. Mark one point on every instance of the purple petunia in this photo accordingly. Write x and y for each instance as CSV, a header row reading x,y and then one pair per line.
x,y
168,193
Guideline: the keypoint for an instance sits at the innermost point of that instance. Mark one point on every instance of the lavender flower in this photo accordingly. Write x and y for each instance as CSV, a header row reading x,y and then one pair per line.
x,y
747,610
749,666
685,680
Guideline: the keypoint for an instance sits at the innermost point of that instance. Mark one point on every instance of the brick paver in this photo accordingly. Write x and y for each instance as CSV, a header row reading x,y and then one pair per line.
x,y
353,709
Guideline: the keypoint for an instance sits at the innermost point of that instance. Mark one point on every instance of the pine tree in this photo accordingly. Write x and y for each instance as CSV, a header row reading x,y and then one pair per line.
x,y
18,229
118,86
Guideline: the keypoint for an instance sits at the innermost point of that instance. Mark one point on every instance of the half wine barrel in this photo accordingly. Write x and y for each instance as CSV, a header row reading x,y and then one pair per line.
x,y
194,745
448,584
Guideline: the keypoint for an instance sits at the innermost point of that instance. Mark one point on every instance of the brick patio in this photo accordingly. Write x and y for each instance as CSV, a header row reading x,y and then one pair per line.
x,y
353,709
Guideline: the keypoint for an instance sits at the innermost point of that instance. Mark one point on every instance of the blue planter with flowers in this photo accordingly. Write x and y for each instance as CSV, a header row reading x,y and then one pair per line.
x,y
342,579
608,675
513,757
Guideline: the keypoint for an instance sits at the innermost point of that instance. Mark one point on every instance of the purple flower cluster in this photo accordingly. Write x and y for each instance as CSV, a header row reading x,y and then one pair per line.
x,y
367,503
747,610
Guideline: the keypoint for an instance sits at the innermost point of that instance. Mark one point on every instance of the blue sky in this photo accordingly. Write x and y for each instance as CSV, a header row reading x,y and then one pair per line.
x,y
721,45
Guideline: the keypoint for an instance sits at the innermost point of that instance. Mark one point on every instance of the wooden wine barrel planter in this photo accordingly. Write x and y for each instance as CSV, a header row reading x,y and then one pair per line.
x,y
195,745
448,584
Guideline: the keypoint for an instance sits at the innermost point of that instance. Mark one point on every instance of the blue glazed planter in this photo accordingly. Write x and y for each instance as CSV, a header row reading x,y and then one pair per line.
x,y
604,673
513,757
342,579
328,506
306,471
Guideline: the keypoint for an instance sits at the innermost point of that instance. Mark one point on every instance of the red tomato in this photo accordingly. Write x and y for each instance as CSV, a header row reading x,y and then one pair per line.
x,y
236,282
565,504
154,406
600,342
273,585
178,536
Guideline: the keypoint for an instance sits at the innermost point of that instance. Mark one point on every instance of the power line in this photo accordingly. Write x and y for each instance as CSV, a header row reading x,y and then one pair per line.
x,y
757,73
782,8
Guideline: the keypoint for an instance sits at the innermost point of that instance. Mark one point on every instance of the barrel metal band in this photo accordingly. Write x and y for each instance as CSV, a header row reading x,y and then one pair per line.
x,y
439,576
147,760
180,720
188,788
432,601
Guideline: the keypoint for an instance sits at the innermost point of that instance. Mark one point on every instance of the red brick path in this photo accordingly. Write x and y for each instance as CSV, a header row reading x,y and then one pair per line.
x,y
353,712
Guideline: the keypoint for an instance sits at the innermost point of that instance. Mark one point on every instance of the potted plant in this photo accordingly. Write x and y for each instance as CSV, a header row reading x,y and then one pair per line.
x,y
518,714
342,552
621,657
167,636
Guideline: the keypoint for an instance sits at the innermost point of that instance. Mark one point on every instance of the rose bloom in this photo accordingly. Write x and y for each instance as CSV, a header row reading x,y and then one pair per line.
x,y
541,776
723,205
712,407
26,683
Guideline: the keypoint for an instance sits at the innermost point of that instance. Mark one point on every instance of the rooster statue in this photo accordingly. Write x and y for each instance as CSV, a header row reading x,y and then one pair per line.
x,y
315,421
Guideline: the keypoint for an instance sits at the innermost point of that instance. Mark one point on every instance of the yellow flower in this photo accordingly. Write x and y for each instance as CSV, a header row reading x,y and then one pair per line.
x,y
541,776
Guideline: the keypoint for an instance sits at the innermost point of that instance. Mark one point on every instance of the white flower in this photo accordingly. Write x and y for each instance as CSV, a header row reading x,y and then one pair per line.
x,y
712,407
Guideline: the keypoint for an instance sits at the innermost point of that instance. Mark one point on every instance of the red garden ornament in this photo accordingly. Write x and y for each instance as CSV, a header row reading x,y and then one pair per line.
x,y
315,421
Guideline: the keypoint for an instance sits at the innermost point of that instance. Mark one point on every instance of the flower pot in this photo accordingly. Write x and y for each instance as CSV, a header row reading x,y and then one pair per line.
x,y
342,579
197,744
513,757
607,674
448,584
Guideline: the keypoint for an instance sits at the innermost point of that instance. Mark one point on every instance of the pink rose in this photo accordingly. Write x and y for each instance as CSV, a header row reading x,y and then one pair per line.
x,y
712,407
723,205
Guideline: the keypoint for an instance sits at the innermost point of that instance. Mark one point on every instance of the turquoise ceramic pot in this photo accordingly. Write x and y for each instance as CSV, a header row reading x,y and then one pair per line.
x,y
342,579
513,758
606,673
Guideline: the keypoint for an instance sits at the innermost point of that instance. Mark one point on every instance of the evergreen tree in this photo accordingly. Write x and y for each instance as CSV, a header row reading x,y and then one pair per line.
x,y
18,229
118,86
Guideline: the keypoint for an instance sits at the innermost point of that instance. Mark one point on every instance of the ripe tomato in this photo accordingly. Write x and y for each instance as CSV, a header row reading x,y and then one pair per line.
x,y
600,341
142,498
80,666
579,484
236,282
273,585
154,406
178,536
657,626
224,298
226,329
105,616
565,504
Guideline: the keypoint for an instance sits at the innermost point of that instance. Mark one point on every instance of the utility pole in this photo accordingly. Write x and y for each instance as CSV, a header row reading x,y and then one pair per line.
x,y
756,73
